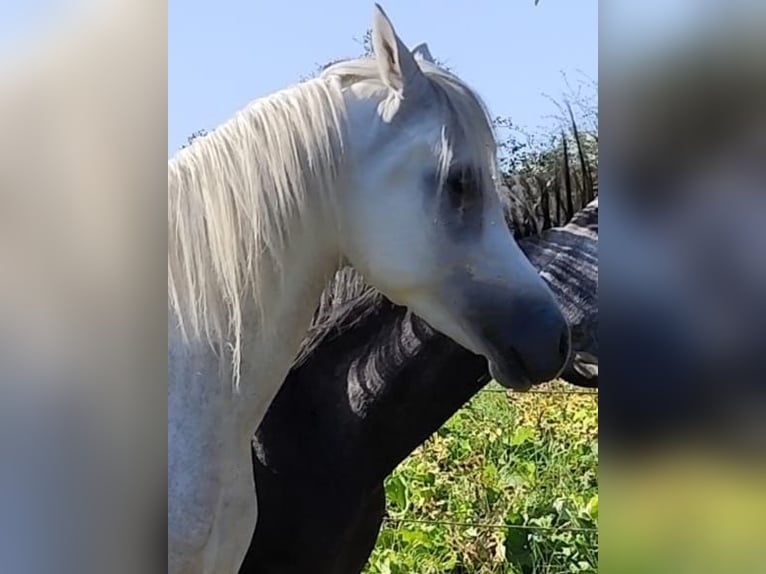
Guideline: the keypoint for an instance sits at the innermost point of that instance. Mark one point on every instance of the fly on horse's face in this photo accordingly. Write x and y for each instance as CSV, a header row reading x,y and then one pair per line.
x,y
421,219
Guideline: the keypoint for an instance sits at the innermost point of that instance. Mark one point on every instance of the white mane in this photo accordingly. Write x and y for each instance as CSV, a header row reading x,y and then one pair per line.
x,y
231,193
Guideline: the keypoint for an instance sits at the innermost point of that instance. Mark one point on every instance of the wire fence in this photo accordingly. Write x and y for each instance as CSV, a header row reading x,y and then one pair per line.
x,y
483,525
558,563
592,392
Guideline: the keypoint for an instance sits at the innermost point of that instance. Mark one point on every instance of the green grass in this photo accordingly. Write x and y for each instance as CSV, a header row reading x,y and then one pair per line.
x,y
526,462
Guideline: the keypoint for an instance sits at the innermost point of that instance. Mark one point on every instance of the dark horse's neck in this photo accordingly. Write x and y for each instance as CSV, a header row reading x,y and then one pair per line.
x,y
402,381
429,384
425,378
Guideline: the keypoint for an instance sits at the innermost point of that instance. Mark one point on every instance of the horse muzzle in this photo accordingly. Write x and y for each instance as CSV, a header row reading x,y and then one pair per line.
x,y
525,334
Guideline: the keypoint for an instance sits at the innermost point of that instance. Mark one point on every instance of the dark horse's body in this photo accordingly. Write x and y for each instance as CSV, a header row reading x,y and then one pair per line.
x,y
371,384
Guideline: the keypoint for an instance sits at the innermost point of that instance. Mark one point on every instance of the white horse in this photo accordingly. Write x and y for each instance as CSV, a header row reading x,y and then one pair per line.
x,y
386,163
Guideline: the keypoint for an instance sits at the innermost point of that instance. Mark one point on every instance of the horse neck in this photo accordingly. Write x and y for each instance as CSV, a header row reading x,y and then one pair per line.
x,y
273,332
388,381
421,378
258,232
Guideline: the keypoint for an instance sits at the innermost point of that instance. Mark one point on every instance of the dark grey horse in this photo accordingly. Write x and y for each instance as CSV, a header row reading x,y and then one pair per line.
x,y
372,382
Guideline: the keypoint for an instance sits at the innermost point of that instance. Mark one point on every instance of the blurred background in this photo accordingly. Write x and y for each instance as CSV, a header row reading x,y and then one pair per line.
x,y
682,286
83,411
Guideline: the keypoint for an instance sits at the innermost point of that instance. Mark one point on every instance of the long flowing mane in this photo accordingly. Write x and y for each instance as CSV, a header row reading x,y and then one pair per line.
x,y
231,193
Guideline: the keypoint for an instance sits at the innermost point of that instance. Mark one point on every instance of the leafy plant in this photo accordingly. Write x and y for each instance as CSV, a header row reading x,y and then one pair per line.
x,y
508,485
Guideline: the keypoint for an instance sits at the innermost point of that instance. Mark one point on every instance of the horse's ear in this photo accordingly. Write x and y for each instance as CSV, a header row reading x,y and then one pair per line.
x,y
421,51
398,68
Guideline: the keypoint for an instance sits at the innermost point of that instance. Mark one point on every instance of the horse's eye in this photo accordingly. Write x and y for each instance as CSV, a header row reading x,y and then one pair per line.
x,y
462,189
456,184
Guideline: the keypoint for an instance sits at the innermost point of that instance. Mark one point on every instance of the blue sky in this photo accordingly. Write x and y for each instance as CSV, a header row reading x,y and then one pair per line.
x,y
222,54
28,17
